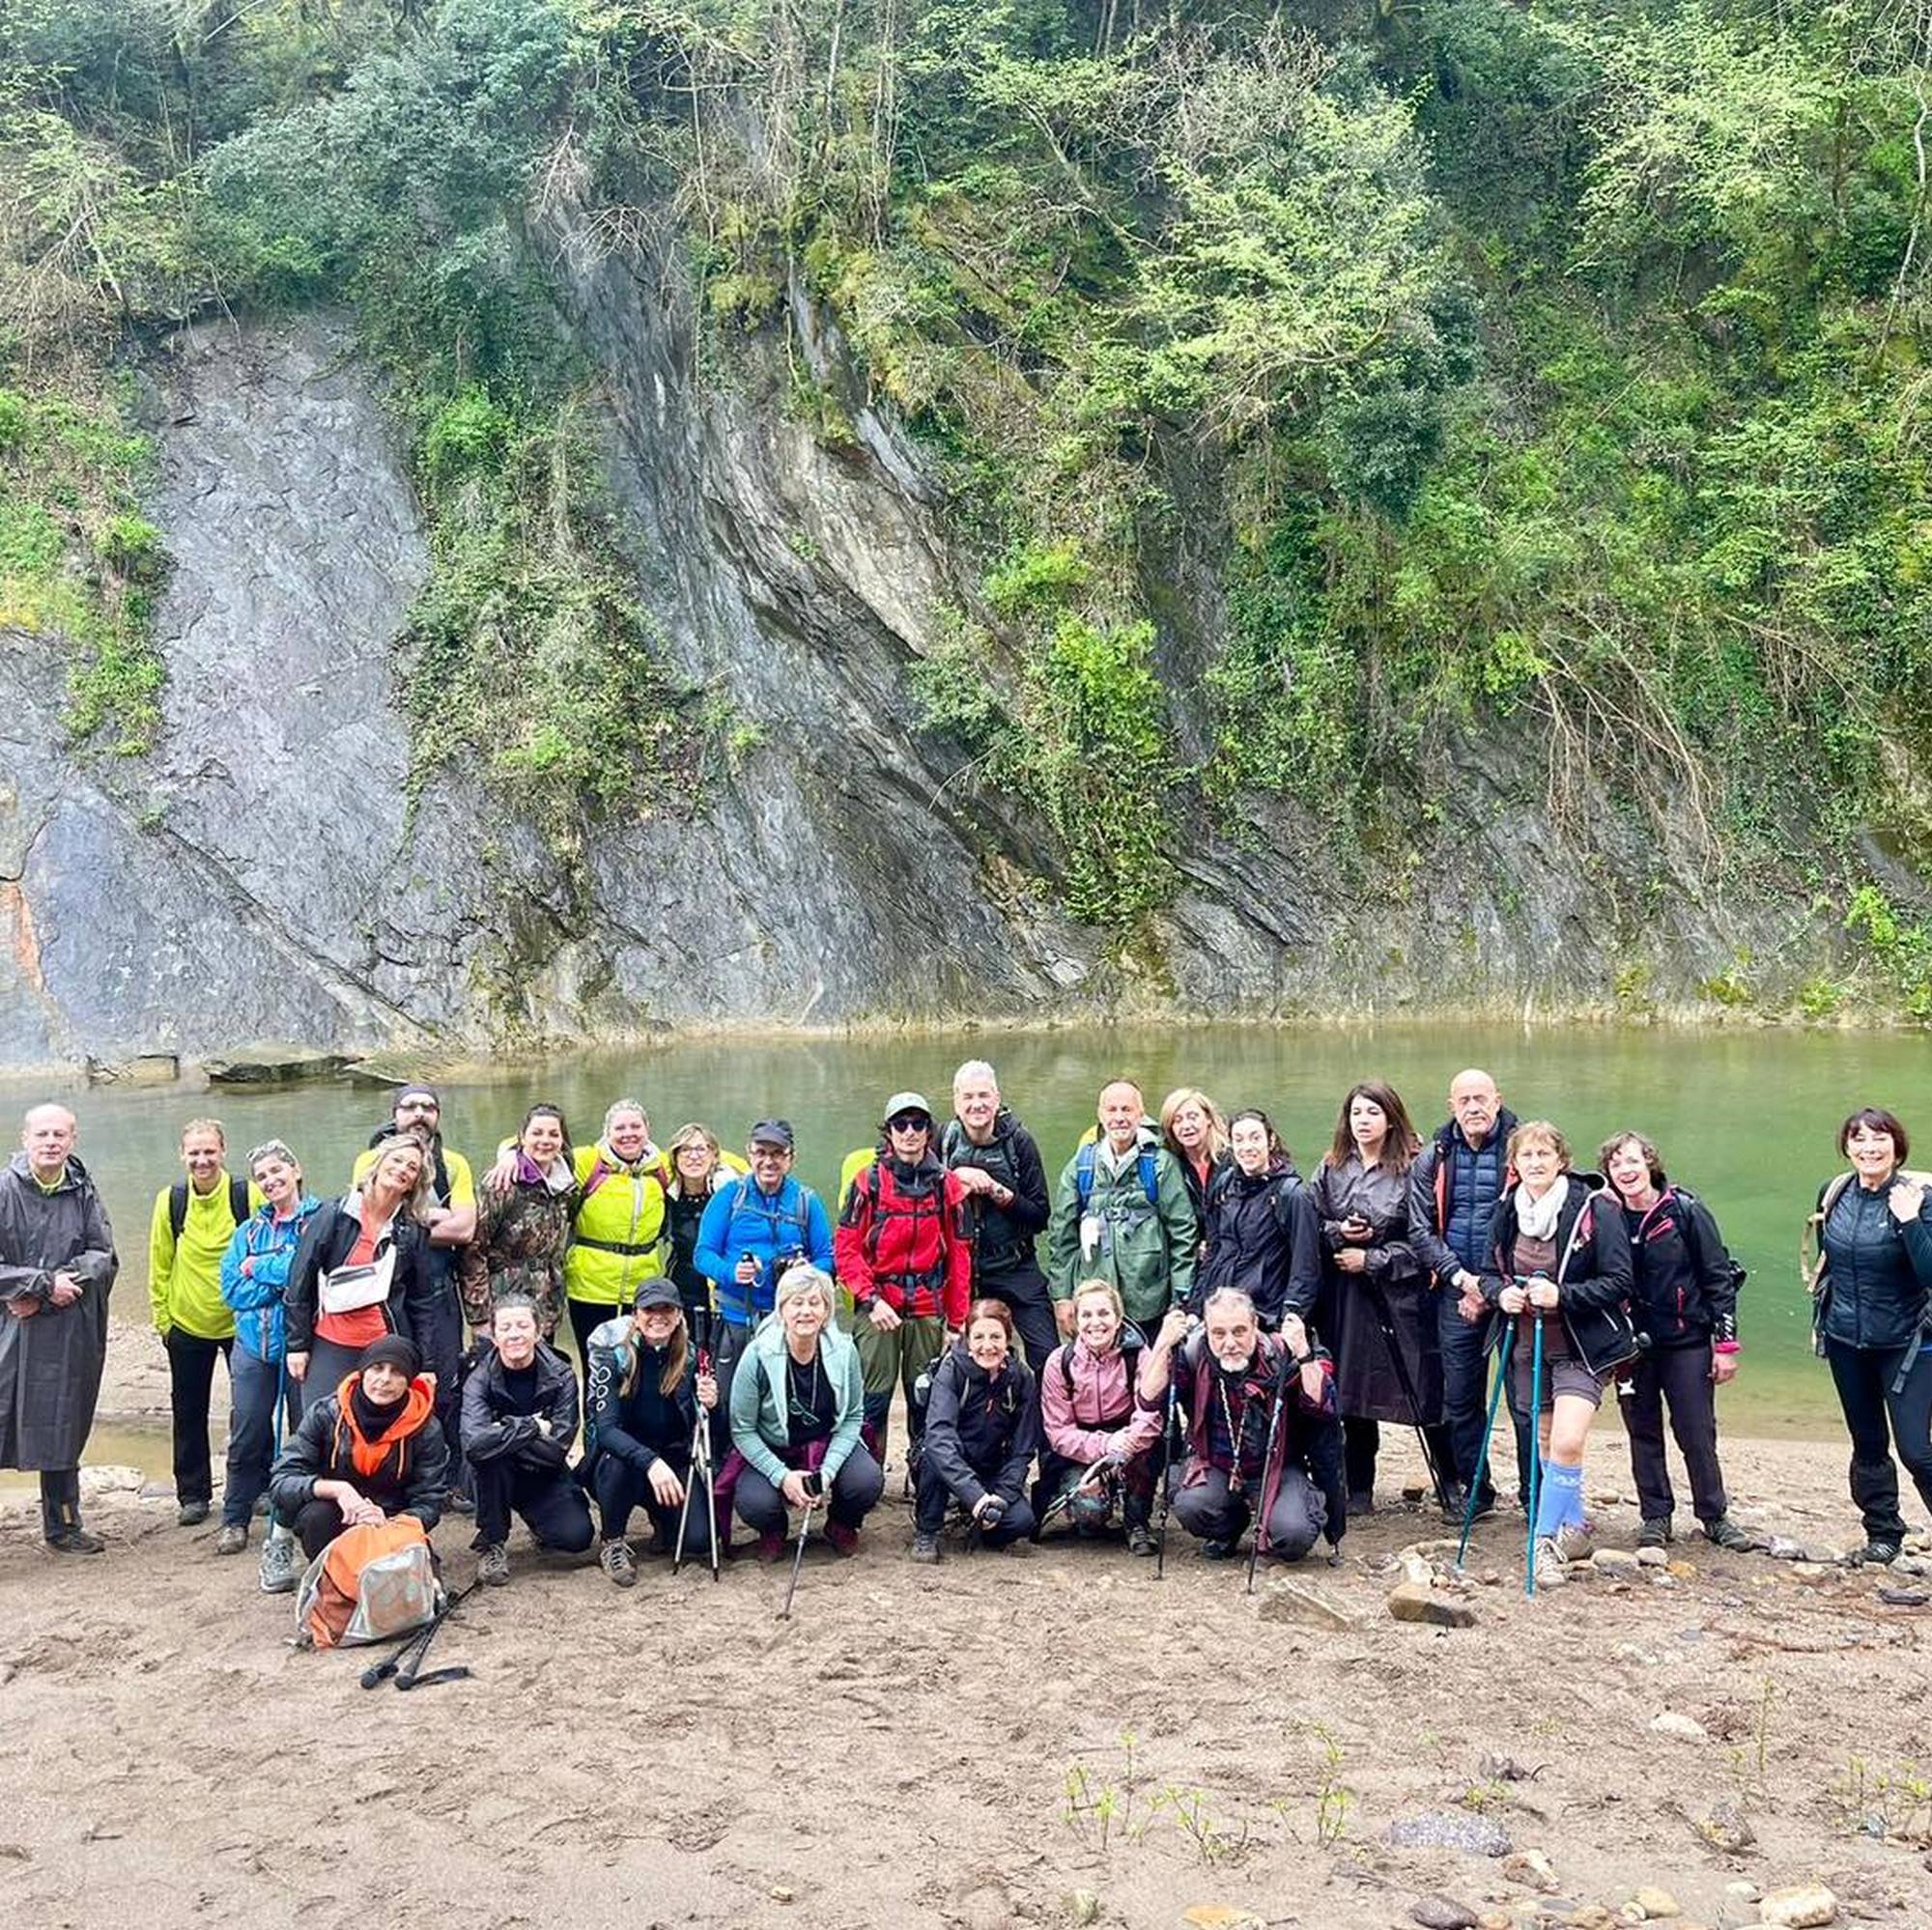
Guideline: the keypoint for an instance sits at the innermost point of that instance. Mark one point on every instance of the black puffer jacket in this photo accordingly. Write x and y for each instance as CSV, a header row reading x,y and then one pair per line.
x,y
1685,1286
330,1234
1877,1273
1264,1238
411,1477
980,1433
494,1430
1592,1271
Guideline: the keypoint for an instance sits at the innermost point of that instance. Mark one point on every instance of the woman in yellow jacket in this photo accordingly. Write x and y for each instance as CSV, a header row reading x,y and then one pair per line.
x,y
616,1244
194,1221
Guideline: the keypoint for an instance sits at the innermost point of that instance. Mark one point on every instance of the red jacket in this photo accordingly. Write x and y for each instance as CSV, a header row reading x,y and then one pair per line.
x,y
901,1240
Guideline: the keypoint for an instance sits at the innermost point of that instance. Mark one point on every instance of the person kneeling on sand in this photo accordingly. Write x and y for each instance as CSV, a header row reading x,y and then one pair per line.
x,y
1099,1440
798,1412
370,1450
646,1389
519,1425
1262,1438
982,1428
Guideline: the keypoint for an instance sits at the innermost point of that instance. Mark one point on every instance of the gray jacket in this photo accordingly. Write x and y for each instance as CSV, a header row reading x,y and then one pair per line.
x,y
50,1363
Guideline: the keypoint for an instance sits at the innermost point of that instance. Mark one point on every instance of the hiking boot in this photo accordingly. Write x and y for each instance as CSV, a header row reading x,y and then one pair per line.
x,y
1654,1532
1725,1533
75,1541
192,1513
615,1559
1139,1540
493,1564
1223,1550
1550,1567
278,1565
925,1547
840,1539
1455,1500
233,1538
456,1502
1574,1543
1876,1554
771,1544
1362,1501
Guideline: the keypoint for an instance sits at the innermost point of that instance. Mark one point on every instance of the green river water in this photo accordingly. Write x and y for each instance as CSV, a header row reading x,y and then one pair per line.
x,y
1746,1117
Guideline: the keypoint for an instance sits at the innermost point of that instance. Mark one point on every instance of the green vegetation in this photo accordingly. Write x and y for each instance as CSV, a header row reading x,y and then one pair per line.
x,y
1542,370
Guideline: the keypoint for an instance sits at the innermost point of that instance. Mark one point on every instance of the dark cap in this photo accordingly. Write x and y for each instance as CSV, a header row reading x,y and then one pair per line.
x,y
656,1292
428,1093
773,1132
391,1350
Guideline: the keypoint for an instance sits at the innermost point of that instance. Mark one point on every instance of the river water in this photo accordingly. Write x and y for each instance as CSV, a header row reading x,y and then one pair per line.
x,y
1747,1119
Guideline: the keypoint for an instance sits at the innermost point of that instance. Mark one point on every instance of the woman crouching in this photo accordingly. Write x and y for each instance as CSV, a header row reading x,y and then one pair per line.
x,y
797,1411
1101,1440
982,1428
370,1450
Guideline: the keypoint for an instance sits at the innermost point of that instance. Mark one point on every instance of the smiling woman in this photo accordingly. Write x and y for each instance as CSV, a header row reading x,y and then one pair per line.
x,y
1872,1293
523,1217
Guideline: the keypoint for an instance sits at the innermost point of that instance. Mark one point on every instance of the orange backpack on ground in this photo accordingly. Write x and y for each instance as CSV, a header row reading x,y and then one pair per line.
x,y
367,1585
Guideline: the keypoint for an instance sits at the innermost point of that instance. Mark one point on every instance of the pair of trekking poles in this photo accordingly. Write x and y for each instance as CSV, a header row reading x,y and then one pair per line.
x,y
1536,1459
405,1663
700,1469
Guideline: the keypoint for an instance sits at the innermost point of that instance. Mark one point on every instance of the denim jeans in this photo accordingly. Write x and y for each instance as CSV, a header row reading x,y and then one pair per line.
x,y
252,1386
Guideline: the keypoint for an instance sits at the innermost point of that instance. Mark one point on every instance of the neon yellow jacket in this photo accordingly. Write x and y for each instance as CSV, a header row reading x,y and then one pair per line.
x,y
185,1276
614,1242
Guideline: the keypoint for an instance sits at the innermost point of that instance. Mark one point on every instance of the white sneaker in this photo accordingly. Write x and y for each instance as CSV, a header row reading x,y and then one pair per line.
x,y
278,1565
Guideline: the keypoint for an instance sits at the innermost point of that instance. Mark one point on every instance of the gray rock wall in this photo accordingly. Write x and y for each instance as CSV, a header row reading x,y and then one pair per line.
x,y
258,875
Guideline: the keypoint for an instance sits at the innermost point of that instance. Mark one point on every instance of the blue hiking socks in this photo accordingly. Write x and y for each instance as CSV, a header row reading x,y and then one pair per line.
x,y
1560,1500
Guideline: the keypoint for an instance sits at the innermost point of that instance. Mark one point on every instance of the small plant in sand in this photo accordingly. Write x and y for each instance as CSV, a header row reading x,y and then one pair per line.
x,y
1891,1801
1748,1759
1103,1811
1216,1842
1333,1797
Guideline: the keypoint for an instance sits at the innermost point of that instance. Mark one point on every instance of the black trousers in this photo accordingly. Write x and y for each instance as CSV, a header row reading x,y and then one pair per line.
x,y
621,1487
934,1498
1206,1508
191,1385
60,1501
1024,1290
1678,1378
550,1503
1466,1394
318,1522
1362,1442
1863,1377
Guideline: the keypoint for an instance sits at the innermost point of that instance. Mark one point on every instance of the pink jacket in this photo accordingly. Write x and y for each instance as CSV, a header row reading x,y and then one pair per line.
x,y
1101,1391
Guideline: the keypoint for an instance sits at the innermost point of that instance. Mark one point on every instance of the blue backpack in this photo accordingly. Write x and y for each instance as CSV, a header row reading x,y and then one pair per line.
x,y
1083,1172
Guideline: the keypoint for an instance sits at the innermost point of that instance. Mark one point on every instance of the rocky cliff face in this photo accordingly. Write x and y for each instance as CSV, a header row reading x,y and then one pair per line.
x,y
260,874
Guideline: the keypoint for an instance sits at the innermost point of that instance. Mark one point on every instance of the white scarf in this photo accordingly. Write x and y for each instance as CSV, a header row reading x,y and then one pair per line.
x,y
1538,1217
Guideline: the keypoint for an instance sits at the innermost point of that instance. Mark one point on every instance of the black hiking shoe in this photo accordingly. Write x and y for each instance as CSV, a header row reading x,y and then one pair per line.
x,y
192,1513
1140,1539
925,1547
1655,1532
1876,1554
1220,1551
1725,1533
76,1541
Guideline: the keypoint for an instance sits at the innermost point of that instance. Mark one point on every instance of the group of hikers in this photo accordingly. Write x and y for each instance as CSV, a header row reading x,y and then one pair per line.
x,y
1207,1334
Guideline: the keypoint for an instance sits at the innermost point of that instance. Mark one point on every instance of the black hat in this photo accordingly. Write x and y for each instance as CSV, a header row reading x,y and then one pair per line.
x,y
391,1350
657,1291
420,1091
773,1132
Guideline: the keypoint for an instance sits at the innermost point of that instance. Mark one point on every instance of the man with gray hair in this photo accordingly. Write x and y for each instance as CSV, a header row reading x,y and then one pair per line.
x,y
57,1268
1004,1179
1263,1440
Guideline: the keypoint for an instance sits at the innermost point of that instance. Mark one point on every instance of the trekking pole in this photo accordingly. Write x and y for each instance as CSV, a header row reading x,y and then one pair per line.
x,y
1483,1456
1385,1321
1535,1446
1165,1467
1288,1366
697,1446
798,1558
